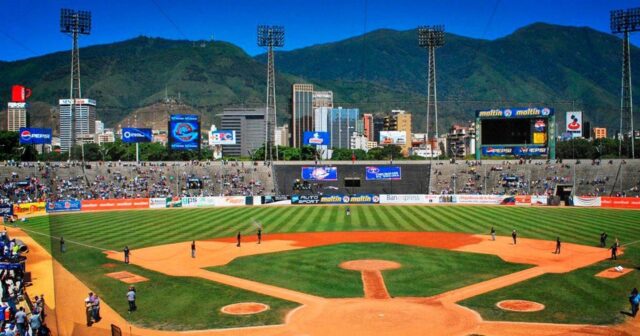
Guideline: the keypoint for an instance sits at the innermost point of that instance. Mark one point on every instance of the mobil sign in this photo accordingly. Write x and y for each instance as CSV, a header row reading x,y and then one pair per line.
x,y
34,136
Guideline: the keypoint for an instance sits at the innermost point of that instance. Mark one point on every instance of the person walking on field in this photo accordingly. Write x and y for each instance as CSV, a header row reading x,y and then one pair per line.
x,y
131,299
514,235
62,247
493,234
614,251
126,254
193,249
603,239
634,300
558,243
259,235
238,238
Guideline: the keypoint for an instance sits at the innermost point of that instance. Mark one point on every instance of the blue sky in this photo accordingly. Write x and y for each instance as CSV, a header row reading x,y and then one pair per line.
x,y
30,27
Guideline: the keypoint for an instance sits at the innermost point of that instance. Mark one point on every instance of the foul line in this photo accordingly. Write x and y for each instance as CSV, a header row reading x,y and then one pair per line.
x,y
631,243
70,241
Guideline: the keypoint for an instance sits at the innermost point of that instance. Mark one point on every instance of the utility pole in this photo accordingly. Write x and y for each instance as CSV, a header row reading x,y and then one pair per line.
x,y
430,38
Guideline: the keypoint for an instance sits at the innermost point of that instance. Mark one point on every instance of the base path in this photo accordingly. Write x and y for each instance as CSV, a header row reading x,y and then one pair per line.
x,y
439,315
372,281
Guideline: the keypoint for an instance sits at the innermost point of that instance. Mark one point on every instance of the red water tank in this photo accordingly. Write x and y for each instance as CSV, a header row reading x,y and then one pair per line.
x,y
19,93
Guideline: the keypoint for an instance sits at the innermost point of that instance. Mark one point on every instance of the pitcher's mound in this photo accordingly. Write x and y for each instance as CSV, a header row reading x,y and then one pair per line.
x,y
369,265
520,306
244,308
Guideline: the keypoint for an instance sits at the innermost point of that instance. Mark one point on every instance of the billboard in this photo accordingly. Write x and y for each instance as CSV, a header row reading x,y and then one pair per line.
x,y
6,209
620,202
375,173
115,204
184,132
393,137
335,199
64,206
174,202
409,199
319,173
133,135
157,203
19,93
515,112
222,137
574,123
316,138
35,136
29,209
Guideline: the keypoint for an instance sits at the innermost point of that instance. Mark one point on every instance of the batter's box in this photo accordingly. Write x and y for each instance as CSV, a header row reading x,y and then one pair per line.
x,y
127,277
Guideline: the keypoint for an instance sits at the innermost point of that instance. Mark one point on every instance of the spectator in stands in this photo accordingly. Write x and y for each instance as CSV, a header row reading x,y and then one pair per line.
x,y
35,323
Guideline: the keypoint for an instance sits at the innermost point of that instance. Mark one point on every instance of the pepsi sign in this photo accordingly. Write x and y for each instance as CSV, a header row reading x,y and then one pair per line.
x,y
133,135
34,136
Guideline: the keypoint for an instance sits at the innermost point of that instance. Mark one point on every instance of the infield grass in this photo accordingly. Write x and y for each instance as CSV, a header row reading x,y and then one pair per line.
x,y
113,230
315,270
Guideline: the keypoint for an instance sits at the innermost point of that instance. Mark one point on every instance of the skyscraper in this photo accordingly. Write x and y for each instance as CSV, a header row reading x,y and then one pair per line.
x,y
367,120
16,116
339,122
85,120
302,112
250,131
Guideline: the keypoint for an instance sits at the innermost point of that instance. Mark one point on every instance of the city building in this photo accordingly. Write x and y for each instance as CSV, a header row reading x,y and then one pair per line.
x,y
99,127
378,125
282,136
461,141
302,112
107,136
371,145
84,139
341,123
400,120
599,133
322,99
84,115
359,141
367,125
250,130
16,116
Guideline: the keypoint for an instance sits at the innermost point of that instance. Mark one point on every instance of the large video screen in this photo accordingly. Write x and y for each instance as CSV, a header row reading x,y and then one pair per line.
x,y
506,131
184,132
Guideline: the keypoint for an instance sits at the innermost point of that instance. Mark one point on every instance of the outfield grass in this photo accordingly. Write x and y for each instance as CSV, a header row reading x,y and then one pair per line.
x,y
113,230
316,270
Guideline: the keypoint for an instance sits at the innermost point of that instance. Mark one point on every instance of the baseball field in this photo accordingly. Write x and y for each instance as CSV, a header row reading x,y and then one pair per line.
x,y
407,261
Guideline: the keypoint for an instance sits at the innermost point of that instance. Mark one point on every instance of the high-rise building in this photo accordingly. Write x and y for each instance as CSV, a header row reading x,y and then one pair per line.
x,y
99,127
16,116
367,120
400,120
322,99
250,131
81,122
599,133
339,122
302,112
378,125
282,135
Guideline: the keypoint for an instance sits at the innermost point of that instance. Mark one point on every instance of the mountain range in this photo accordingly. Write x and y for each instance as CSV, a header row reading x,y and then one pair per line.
x,y
569,68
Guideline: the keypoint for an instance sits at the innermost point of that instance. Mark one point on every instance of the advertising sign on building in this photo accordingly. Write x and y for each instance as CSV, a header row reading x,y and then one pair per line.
x,y
184,132
64,206
222,137
33,136
133,135
393,137
19,93
316,138
574,123
383,173
320,173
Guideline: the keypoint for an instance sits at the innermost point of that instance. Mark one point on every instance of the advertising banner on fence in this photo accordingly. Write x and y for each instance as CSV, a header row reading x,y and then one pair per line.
x,y
30,209
174,202
335,199
539,200
374,173
34,136
320,173
278,199
157,203
515,112
523,200
586,201
193,202
514,150
409,199
115,204
620,202
64,206
229,201
480,199
6,209
305,199
133,135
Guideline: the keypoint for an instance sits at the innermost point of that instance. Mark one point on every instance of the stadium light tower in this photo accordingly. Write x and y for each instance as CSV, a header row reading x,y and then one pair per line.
x,y
74,23
270,37
430,38
625,22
